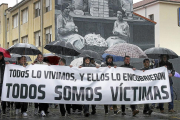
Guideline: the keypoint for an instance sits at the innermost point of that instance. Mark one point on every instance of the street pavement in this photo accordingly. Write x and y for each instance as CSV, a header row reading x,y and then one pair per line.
x,y
55,114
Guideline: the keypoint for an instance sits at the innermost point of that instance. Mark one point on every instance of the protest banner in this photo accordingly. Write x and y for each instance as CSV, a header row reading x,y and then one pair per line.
x,y
87,85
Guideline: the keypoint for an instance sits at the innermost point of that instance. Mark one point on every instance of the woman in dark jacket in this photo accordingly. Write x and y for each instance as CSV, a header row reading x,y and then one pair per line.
x,y
164,62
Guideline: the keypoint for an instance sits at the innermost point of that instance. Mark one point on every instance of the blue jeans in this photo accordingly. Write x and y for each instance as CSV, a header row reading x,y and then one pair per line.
x,y
170,104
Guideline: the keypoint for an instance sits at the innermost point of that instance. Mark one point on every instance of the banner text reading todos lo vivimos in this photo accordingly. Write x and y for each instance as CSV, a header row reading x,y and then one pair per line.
x,y
62,84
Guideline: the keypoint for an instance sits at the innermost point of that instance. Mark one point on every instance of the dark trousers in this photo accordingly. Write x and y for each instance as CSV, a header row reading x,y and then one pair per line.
x,y
106,108
86,108
146,108
123,107
43,107
3,103
36,105
63,110
75,106
22,106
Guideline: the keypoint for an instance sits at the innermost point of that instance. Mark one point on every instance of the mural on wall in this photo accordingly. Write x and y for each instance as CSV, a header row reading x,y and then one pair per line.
x,y
67,30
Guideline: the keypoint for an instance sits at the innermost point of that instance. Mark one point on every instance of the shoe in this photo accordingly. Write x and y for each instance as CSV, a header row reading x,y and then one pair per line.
x,y
123,113
64,115
3,112
93,112
73,111
172,111
79,111
162,111
86,114
43,114
115,112
149,112
36,111
24,114
17,111
106,112
135,112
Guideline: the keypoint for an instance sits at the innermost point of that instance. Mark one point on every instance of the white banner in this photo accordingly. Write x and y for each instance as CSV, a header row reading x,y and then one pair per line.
x,y
62,84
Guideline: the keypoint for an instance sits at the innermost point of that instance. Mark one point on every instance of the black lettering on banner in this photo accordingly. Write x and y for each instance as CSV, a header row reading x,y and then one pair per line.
x,y
121,94
140,93
53,74
72,76
10,72
27,74
58,92
102,77
162,75
15,87
98,93
165,92
18,73
31,94
156,93
8,89
14,73
88,76
107,76
89,98
146,94
38,74
134,93
125,93
67,93
77,96
113,77
118,76
124,76
46,74
41,91
22,74
24,87
81,75
114,94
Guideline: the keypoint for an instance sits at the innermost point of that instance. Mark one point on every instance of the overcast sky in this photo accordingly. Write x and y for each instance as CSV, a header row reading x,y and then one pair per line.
x,y
13,2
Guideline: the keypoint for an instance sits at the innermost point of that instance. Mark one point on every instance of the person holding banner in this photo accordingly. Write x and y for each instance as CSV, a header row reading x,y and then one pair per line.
x,y
133,107
43,107
109,63
164,62
2,68
87,63
62,62
23,106
147,109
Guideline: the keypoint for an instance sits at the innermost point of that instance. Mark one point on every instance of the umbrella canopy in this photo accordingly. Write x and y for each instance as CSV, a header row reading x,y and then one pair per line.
x,y
52,58
77,62
63,48
15,56
126,49
91,54
115,58
155,52
24,49
5,53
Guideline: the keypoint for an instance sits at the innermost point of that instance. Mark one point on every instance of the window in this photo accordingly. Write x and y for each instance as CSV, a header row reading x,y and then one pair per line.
x,y
48,35
15,21
15,42
37,38
37,7
151,17
48,5
8,24
25,15
7,44
25,39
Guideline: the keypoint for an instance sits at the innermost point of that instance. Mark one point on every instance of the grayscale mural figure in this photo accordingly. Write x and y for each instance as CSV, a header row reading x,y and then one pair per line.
x,y
120,30
67,30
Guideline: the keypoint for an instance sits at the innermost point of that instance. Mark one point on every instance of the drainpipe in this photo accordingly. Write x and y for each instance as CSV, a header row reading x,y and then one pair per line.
x,y
42,45
5,30
19,25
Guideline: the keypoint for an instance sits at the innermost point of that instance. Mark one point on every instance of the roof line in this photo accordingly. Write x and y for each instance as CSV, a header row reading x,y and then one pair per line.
x,y
145,18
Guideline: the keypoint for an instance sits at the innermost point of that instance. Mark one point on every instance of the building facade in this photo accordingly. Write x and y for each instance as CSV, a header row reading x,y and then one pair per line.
x,y
165,13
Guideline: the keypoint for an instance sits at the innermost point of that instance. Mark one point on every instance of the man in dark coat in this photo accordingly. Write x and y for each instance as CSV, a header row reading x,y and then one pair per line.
x,y
147,109
164,62
109,63
87,63
133,107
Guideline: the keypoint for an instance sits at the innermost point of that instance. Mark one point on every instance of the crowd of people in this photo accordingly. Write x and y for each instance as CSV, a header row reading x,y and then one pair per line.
x,y
42,108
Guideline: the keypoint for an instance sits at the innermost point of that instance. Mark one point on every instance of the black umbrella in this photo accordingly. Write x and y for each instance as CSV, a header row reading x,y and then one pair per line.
x,y
63,48
155,52
24,49
15,56
91,54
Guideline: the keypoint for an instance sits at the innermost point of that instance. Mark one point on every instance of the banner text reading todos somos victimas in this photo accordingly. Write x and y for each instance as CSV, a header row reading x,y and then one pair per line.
x,y
62,84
